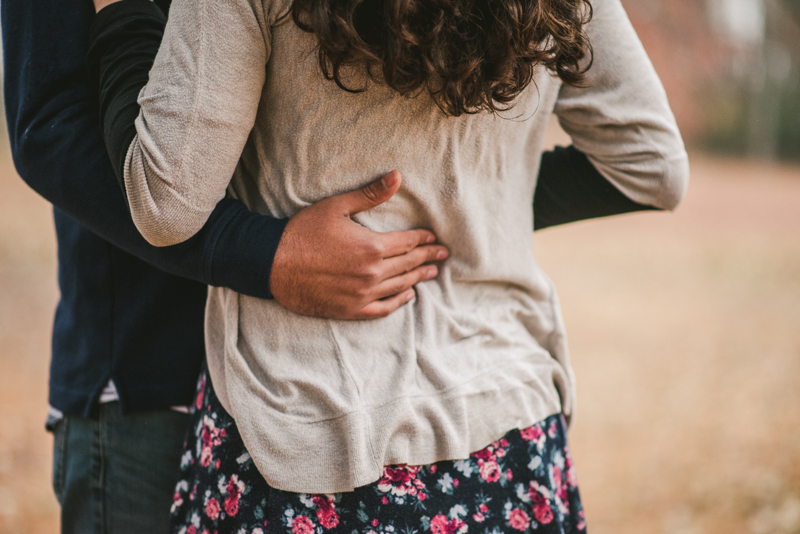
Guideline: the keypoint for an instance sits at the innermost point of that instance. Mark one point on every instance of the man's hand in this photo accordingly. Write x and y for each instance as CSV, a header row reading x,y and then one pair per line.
x,y
328,265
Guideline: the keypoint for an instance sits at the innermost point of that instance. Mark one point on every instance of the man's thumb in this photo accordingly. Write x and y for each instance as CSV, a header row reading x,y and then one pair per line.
x,y
373,194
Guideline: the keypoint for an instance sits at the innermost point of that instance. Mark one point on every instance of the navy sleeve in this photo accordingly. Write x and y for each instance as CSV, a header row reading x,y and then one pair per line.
x,y
58,150
571,189
123,42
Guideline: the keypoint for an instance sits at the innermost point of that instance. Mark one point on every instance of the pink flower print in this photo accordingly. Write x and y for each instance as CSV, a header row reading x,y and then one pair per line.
x,y
177,499
483,508
478,517
432,468
384,500
208,431
490,471
217,464
561,490
421,496
401,480
302,525
500,453
457,526
232,506
556,478
212,508
509,475
234,489
374,522
532,433
417,487
536,494
206,531
205,456
326,514
543,513
397,476
582,522
572,478
455,482
552,430
518,519
198,403
484,454
328,518
210,438
440,525
504,442
540,499
191,530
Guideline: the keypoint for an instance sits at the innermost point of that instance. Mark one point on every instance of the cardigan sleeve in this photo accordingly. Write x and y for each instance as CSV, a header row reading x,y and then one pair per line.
x,y
620,117
197,111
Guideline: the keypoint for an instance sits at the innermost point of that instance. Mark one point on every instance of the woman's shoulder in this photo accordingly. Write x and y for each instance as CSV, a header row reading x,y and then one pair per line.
x,y
276,11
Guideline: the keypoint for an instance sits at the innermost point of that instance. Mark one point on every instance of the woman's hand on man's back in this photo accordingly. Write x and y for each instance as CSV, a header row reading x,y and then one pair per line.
x,y
328,265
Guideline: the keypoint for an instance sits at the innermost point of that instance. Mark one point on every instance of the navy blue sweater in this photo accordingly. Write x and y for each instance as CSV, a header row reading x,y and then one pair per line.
x,y
128,311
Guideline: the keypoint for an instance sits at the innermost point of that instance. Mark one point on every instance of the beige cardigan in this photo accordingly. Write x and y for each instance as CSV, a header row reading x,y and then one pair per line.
x,y
322,405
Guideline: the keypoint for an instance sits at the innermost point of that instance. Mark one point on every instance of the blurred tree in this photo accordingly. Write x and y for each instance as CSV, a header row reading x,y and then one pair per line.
x,y
792,7
731,69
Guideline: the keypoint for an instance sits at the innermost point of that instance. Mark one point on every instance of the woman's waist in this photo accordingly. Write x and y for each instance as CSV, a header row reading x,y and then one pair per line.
x,y
424,348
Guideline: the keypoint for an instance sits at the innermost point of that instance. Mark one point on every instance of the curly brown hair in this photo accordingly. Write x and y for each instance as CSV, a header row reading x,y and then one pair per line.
x,y
469,55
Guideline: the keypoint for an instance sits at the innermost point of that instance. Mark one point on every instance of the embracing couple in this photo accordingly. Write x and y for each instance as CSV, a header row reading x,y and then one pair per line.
x,y
357,183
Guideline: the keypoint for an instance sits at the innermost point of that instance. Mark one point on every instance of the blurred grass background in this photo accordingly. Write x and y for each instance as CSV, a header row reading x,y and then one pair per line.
x,y
684,328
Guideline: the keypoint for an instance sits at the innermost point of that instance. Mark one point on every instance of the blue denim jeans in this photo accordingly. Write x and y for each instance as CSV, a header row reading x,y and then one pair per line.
x,y
116,474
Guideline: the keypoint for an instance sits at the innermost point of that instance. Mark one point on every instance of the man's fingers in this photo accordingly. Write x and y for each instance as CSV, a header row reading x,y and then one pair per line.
x,y
382,308
397,290
401,242
371,195
400,283
404,263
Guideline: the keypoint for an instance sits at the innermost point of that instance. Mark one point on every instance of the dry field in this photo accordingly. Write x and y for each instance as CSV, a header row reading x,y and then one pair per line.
x,y
685,335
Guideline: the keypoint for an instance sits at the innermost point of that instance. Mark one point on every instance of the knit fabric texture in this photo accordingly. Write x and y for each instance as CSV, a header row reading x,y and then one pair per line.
x,y
323,405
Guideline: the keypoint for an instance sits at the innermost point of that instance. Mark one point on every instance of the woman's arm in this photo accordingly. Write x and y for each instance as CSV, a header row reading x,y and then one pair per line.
x,y
621,118
196,111
329,283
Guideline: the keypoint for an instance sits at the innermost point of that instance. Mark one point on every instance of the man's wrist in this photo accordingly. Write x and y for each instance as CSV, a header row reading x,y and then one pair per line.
x,y
244,252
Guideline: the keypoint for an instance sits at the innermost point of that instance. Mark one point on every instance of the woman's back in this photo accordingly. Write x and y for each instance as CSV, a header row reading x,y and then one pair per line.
x,y
481,349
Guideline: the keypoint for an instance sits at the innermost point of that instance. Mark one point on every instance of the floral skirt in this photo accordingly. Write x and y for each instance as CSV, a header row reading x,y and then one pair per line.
x,y
523,482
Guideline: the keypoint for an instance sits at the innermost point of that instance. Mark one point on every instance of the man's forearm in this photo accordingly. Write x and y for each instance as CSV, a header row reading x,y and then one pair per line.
x,y
571,189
